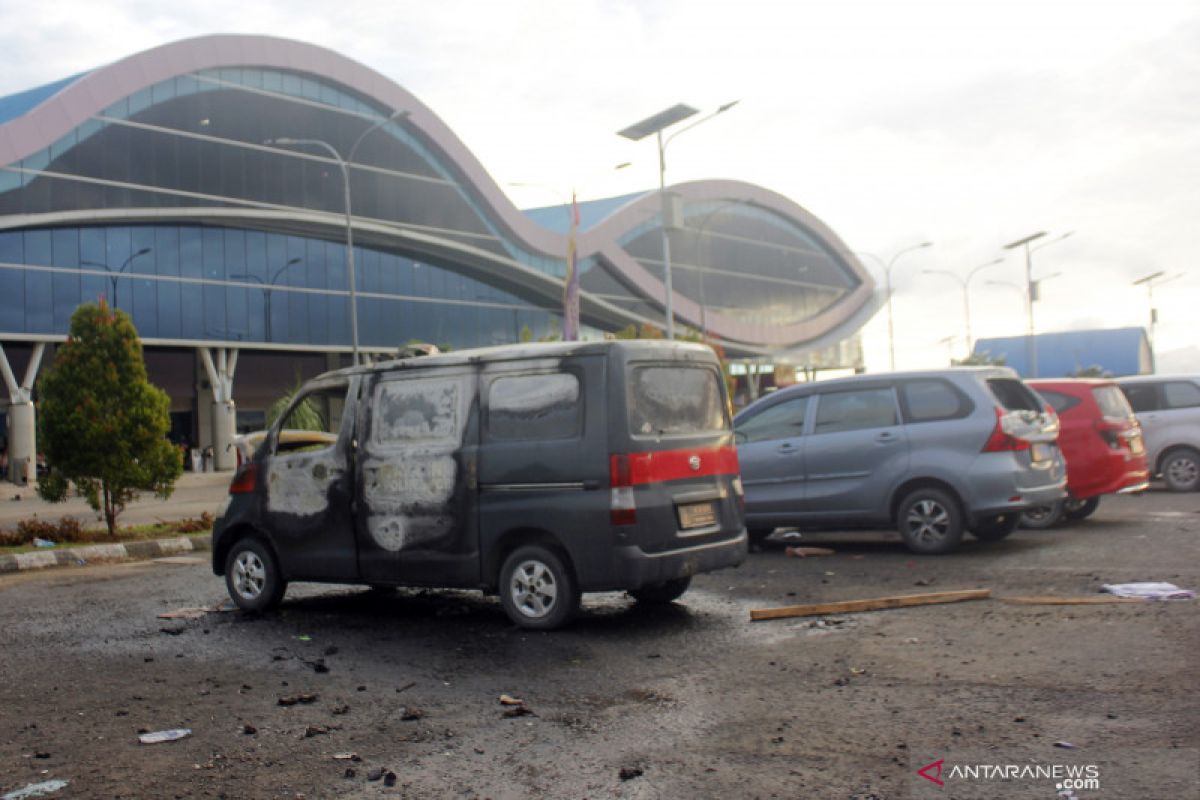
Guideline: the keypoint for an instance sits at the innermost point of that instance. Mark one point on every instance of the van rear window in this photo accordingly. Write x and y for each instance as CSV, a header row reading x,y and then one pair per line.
x,y
675,400
1014,395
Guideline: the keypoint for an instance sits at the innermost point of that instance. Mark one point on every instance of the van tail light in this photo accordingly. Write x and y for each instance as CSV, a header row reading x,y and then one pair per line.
x,y
245,480
623,509
739,493
1001,441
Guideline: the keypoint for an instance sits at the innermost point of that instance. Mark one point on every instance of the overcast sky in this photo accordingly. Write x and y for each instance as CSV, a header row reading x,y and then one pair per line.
x,y
965,123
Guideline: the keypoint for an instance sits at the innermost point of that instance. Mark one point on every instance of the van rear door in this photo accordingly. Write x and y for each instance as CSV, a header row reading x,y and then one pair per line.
x,y
674,478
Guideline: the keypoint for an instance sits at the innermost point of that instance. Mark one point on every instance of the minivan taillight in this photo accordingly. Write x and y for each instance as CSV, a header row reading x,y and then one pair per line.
x,y
245,480
623,508
1111,433
1001,441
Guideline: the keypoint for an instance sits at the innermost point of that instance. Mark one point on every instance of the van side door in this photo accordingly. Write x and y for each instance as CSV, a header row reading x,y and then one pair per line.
x,y
309,483
856,450
417,515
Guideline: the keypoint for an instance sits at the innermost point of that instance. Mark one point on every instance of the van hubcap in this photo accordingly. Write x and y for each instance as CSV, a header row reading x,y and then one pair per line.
x,y
533,589
928,521
249,575
1183,471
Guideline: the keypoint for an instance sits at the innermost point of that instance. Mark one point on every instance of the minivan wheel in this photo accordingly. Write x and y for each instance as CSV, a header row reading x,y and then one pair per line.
x,y
537,590
996,527
1080,509
252,576
662,593
930,522
1042,517
1181,470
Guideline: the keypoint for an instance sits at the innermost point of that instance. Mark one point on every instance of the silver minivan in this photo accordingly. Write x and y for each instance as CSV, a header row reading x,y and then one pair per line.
x,y
1168,408
934,454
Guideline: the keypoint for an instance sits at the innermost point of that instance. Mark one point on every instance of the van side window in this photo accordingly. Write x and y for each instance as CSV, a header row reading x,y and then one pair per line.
x,y
418,410
855,410
1141,396
781,421
931,400
534,407
313,423
1058,401
1181,394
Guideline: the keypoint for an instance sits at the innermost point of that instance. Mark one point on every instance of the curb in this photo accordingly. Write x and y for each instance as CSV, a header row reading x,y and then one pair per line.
x,y
87,554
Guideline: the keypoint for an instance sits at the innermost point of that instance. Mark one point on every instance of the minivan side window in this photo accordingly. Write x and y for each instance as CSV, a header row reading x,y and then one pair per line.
x,y
855,410
425,410
781,421
313,422
1181,394
667,400
534,407
931,400
1058,401
1141,396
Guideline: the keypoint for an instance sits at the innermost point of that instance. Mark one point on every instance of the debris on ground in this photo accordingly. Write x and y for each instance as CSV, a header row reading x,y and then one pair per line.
x,y
172,735
171,631
1148,590
35,790
249,730
185,613
509,700
316,730
375,773
629,773
512,712
875,604
406,687
355,757
302,699
411,714
1066,745
338,711
304,637
923,582
807,552
389,780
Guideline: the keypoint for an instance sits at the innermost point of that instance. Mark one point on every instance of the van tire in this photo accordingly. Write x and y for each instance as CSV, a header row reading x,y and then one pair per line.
x,y
660,594
995,527
537,590
930,522
1181,470
1043,517
1080,509
252,575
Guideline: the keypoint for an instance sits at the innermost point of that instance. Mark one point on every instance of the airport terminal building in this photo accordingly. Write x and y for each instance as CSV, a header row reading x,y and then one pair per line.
x,y
199,186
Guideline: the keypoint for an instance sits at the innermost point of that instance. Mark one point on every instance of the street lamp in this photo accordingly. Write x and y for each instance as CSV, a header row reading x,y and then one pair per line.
x,y
887,277
1031,290
267,286
966,284
1148,281
112,276
343,164
656,124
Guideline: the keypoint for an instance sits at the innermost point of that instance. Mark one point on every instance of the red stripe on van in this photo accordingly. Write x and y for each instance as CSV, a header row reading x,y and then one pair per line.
x,y
658,466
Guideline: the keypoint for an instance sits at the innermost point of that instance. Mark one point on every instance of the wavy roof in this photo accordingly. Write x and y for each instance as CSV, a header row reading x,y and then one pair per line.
x,y
32,120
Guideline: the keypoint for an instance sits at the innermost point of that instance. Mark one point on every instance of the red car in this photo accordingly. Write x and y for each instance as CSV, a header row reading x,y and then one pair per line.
x,y
1101,442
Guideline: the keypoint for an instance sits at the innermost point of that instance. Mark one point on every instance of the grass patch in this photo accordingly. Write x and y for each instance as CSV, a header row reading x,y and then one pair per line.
x,y
68,532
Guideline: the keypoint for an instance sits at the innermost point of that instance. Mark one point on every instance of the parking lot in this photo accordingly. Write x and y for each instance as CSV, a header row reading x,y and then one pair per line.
x,y
688,700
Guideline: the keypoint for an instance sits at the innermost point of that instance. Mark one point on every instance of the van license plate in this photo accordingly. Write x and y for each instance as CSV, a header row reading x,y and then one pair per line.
x,y
1041,452
697,515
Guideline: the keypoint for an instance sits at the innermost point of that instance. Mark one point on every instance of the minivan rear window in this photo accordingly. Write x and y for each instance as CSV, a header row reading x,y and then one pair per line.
x,y
1112,402
674,400
1014,395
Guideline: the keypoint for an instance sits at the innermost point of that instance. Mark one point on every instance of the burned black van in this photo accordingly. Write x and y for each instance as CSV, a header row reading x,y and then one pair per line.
x,y
537,472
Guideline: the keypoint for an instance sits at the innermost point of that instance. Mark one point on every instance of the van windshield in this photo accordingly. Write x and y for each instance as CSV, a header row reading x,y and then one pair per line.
x,y
665,400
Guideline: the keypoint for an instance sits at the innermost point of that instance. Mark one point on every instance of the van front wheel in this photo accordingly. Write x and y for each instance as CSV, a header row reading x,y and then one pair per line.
x,y
662,593
537,589
252,576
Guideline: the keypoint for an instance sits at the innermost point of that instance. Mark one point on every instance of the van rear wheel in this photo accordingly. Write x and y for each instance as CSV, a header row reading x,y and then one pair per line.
x,y
1081,509
537,589
1043,517
661,593
930,522
996,527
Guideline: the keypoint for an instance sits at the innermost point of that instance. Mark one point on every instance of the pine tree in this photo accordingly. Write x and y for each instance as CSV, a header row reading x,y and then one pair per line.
x,y
102,424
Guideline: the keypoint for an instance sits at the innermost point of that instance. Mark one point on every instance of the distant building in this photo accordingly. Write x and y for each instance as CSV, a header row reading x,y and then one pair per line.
x,y
186,184
1115,351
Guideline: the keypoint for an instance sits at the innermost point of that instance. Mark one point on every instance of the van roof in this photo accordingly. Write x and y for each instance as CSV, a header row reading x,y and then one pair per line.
x,y
513,352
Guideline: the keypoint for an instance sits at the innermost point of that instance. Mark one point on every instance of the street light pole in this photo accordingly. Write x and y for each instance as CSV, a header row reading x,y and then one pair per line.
x,y
1031,292
1148,281
343,164
112,276
267,287
656,124
966,290
887,280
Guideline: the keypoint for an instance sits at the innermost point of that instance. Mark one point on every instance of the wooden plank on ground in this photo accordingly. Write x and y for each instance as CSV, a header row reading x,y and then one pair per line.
x,y
875,604
1088,600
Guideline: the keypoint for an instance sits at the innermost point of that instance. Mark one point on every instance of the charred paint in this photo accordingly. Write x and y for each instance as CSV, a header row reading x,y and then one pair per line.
x,y
299,483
